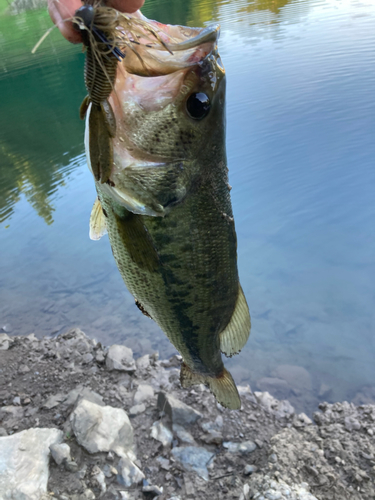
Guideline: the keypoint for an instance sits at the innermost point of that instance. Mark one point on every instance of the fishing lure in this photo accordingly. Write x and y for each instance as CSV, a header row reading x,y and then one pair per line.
x,y
106,34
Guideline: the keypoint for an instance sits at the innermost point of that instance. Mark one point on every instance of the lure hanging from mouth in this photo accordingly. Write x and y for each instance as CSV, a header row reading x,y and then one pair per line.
x,y
100,75
106,33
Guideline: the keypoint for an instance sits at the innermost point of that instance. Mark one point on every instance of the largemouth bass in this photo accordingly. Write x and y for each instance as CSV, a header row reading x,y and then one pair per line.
x,y
164,197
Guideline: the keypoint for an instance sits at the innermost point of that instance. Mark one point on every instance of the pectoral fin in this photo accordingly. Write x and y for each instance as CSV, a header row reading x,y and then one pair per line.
x,y
98,227
223,387
84,107
235,334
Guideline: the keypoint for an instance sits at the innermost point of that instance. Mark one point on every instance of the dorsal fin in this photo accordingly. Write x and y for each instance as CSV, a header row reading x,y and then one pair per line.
x,y
98,226
235,334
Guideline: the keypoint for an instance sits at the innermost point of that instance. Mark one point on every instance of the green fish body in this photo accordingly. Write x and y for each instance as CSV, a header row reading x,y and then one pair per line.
x,y
168,212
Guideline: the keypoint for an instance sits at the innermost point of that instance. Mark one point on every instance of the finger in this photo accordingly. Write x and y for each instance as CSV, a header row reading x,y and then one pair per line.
x,y
129,6
61,10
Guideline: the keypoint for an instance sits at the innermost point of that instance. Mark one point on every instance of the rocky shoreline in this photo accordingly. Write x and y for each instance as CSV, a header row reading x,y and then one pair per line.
x,y
80,421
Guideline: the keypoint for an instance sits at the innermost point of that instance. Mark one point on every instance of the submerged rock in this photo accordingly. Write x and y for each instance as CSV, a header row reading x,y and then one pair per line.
x,y
24,459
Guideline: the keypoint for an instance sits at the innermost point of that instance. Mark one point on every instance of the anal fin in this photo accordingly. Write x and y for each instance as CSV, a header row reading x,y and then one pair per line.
x,y
98,227
235,334
222,387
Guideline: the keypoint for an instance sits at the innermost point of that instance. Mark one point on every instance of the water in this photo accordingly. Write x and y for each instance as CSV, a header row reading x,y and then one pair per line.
x,y
301,151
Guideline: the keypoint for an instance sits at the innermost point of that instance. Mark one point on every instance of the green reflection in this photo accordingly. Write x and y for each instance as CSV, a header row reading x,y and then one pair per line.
x,y
39,124
201,12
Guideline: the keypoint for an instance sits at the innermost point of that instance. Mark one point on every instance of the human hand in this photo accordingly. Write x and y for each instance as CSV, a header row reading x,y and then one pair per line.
x,y
59,10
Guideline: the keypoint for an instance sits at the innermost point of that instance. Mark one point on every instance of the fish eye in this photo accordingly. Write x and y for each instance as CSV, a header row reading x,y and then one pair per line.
x,y
198,105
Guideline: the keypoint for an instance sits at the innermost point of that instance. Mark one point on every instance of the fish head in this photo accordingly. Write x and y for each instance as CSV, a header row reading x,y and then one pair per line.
x,y
165,103
169,107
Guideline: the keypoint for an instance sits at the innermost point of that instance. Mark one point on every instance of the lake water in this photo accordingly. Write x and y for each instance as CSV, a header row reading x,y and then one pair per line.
x,y
301,151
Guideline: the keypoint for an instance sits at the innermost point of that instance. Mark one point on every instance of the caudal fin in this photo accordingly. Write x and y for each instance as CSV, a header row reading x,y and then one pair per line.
x,y
223,387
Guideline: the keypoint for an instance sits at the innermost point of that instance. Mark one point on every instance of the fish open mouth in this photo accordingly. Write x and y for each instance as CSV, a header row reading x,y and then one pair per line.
x,y
182,47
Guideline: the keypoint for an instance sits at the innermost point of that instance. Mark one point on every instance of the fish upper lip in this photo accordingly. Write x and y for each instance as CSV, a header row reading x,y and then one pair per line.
x,y
207,35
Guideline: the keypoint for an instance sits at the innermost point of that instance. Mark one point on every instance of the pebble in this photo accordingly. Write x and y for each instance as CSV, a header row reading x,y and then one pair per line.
x,y
54,400
193,458
71,466
183,435
164,463
129,474
120,357
249,469
179,412
60,452
23,369
161,433
155,490
5,342
137,410
87,358
99,477
143,393
244,448
143,362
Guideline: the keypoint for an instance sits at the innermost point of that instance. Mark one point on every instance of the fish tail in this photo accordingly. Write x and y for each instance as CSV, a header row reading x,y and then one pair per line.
x,y
222,387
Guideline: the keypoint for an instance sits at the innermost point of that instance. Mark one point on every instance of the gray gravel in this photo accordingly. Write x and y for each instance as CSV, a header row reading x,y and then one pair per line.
x,y
129,431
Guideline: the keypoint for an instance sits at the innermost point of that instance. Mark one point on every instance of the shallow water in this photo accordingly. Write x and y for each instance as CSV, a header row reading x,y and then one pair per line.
x,y
301,151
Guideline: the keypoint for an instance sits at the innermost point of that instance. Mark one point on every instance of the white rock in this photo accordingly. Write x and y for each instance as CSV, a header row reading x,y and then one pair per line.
x,y
5,342
144,362
99,477
137,410
143,393
161,433
60,452
24,459
129,473
244,448
102,428
120,358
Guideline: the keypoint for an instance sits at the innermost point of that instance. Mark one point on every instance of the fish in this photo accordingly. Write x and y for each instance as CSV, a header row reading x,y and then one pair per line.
x,y
163,196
